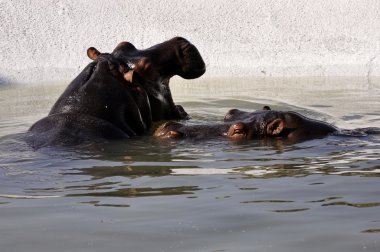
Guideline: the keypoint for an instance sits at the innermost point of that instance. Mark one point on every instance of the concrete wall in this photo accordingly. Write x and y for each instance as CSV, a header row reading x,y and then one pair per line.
x,y
45,40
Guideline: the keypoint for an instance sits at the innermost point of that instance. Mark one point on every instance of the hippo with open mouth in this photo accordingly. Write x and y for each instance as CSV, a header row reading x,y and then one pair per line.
x,y
119,94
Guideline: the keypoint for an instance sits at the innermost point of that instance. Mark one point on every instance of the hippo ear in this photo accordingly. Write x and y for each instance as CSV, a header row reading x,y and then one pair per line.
x,y
92,53
275,127
266,108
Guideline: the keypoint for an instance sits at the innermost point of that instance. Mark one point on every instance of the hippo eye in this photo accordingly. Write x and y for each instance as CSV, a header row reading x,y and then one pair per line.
x,y
174,134
130,65
171,134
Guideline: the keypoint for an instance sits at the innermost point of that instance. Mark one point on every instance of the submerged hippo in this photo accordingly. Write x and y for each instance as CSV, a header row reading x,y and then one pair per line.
x,y
265,123
119,94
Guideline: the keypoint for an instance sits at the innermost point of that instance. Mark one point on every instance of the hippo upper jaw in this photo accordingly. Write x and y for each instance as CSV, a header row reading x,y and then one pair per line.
x,y
190,61
156,65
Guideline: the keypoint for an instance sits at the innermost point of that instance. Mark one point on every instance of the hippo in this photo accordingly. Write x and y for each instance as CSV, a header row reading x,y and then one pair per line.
x,y
266,123
118,95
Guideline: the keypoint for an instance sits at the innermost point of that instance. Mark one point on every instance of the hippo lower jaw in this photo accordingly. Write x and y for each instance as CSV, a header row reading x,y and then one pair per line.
x,y
161,101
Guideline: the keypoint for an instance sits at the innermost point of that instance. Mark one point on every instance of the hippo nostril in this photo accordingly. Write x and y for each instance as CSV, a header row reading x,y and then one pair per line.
x,y
174,134
168,126
168,130
185,45
239,127
238,131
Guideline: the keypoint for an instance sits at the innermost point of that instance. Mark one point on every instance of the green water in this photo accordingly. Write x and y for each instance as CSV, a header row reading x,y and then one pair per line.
x,y
215,195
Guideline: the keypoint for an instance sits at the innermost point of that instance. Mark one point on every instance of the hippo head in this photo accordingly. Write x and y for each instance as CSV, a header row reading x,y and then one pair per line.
x,y
151,70
278,124
241,125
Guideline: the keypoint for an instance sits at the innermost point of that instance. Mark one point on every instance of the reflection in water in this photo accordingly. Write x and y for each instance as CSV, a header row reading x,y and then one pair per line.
x,y
248,188
268,201
324,200
141,192
372,230
290,210
93,187
97,203
360,205
10,196
127,171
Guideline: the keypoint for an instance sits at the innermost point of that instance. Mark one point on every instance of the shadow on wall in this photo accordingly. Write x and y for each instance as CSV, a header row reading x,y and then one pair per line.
x,y
6,81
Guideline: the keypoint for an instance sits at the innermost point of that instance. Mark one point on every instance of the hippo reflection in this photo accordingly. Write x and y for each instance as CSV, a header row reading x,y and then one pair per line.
x,y
119,94
265,123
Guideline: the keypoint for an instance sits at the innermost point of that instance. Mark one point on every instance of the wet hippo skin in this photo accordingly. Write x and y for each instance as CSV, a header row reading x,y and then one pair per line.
x,y
119,94
265,123
269,123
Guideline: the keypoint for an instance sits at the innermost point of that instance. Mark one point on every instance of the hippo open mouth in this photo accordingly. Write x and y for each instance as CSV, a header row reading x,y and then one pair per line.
x,y
126,90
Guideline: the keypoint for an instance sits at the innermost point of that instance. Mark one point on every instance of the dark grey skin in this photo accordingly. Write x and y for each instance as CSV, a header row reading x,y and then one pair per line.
x,y
119,94
279,124
241,125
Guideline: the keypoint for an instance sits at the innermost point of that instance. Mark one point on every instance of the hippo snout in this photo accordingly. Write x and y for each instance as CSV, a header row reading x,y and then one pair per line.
x,y
191,62
168,130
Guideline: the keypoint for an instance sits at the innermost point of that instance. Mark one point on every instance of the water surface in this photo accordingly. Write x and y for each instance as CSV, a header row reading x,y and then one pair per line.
x,y
215,195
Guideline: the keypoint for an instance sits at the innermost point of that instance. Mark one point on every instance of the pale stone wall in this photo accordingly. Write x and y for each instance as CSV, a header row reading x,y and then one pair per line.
x,y
45,40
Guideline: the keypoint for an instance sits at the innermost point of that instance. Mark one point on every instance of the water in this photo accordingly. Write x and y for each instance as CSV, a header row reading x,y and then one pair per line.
x,y
214,195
